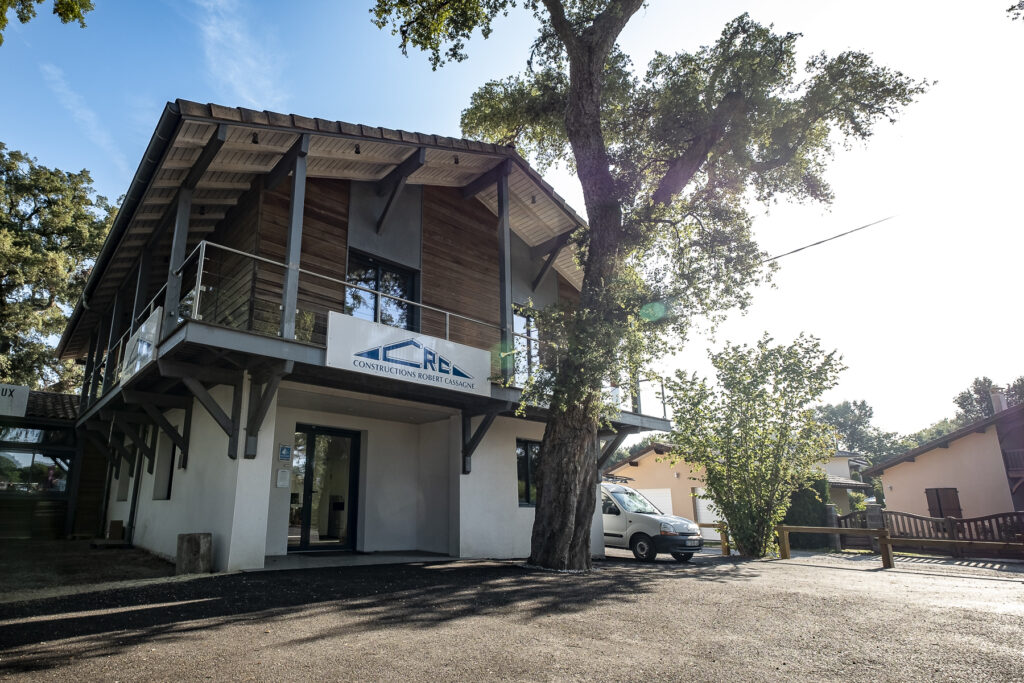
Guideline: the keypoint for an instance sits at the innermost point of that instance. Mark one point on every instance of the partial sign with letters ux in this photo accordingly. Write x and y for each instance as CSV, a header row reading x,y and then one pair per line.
x,y
394,353
13,400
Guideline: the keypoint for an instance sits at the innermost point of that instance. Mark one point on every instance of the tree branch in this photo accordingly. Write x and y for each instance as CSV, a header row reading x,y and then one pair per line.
x,y
684,167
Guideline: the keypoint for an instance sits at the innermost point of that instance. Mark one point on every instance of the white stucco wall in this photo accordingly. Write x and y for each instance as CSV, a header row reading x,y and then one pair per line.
x,y
837,466
492,524
212,494
404,482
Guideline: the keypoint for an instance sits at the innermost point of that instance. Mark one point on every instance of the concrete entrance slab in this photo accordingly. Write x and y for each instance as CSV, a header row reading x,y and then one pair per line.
x,y
315,560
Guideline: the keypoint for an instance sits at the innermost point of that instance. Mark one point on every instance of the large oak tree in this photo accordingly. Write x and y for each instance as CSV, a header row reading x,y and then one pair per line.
x,y
51,228
668,158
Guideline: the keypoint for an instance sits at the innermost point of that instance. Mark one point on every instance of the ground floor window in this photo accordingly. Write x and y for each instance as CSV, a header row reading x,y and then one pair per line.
x,y
527,454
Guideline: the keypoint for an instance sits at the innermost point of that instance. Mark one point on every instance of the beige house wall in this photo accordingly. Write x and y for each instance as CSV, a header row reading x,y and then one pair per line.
x,y
680,478
973,465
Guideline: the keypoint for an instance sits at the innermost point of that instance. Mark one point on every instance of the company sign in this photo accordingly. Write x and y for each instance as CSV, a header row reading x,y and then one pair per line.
x,y
140,350
384,351
13,400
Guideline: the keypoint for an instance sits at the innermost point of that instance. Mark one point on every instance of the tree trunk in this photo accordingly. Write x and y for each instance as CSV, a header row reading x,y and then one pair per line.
x,y
567,486
566,491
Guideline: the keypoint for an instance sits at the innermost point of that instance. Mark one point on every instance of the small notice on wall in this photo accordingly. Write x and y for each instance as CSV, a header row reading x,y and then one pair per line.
x,y
13,400
284,453
284,479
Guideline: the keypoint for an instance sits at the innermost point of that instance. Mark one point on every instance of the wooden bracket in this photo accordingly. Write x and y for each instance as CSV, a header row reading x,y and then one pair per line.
x,y
259,404
470,441
610,448
396,182
479,184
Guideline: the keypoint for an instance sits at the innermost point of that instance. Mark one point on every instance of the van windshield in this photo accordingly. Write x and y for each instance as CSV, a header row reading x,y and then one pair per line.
x,y
632,501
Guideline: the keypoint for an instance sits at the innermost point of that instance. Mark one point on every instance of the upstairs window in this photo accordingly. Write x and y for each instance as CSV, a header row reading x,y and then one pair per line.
x,y
526,344
388,279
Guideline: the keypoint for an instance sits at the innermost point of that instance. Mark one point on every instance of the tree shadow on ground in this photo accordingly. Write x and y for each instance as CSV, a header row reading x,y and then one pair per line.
x,y
42,564
43,634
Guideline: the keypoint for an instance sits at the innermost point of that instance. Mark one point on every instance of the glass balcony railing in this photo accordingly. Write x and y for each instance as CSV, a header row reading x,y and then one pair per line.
x,y
242,291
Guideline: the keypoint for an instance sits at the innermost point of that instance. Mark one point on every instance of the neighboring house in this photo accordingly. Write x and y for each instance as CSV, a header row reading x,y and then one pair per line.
x,y
292,339
977,470
839,472
677,487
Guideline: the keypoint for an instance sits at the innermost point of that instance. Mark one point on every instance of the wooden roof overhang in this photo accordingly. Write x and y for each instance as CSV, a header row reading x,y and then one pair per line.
x,y
223,151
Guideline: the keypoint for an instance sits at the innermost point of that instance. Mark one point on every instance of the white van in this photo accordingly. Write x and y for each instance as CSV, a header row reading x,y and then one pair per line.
x,y
631,521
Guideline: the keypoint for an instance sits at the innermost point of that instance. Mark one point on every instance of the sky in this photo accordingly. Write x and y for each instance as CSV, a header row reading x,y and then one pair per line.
x,y
918,306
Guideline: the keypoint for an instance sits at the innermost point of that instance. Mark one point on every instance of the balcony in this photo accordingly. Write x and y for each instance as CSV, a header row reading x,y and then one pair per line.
x,y
236,290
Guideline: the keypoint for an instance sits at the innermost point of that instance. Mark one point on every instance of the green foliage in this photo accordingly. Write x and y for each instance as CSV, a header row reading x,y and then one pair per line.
x,y
807,508
51,228
854,431
755,433
858,501
668,159
975,402
66,10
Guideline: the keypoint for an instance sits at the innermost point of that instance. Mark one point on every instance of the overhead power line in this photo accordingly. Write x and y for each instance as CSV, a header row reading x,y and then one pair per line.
x,y
827,239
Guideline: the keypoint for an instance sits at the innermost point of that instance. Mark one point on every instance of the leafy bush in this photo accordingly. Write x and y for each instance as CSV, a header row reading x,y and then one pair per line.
x,y
807,508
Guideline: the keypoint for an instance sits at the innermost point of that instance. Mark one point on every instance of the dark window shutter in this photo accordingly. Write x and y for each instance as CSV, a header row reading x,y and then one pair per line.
x,y
949,501
934,508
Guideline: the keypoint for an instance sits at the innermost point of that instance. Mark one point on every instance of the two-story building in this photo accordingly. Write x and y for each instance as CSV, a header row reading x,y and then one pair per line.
x,y
302,334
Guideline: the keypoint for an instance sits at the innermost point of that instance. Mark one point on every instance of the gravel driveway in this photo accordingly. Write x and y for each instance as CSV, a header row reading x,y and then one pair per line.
x,y
811,617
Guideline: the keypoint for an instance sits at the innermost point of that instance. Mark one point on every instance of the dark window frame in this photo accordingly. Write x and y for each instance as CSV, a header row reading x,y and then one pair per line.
x,y
380,266
528,484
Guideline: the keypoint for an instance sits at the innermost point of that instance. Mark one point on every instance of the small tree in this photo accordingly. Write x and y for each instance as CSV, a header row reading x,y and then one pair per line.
x,y
755,433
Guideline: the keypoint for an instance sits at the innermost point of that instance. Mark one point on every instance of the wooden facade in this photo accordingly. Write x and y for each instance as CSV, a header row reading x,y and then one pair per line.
x,y
459,270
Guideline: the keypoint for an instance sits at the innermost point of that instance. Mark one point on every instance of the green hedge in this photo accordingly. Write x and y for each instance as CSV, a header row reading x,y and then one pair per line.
x,y
807,508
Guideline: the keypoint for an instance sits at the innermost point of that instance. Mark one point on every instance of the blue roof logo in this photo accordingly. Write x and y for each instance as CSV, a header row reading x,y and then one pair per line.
x,y
411,354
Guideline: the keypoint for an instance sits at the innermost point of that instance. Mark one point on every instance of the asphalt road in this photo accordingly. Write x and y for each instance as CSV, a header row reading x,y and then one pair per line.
x,y
820,617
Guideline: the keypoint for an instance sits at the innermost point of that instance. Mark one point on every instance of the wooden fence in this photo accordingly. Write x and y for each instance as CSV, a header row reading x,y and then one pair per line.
x,y
854,520
999,534
884,543
973,533
723,533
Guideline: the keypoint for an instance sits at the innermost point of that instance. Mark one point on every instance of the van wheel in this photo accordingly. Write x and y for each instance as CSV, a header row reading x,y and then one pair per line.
x,y
643,548
682,557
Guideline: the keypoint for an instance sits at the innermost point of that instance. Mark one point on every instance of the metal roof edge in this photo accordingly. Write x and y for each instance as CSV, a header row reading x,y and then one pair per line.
x,y
162,136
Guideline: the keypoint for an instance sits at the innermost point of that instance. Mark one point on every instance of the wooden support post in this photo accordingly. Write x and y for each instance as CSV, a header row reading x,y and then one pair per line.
x,y
90,365
783,533
141,286
505,275
723,533
110,369
94,381
172,295
885,546
293,250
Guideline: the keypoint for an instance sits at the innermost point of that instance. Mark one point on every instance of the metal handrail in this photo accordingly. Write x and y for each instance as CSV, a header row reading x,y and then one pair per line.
x,y
200,250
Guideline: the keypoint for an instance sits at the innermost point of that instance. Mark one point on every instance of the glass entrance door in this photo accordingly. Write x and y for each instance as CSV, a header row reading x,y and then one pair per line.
x,y
325,482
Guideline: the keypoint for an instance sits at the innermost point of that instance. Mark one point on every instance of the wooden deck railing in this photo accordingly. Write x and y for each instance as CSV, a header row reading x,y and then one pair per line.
x,y
1004,527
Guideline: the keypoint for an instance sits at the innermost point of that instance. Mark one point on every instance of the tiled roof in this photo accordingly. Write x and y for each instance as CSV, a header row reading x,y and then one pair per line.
x,y
46,404
843,482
